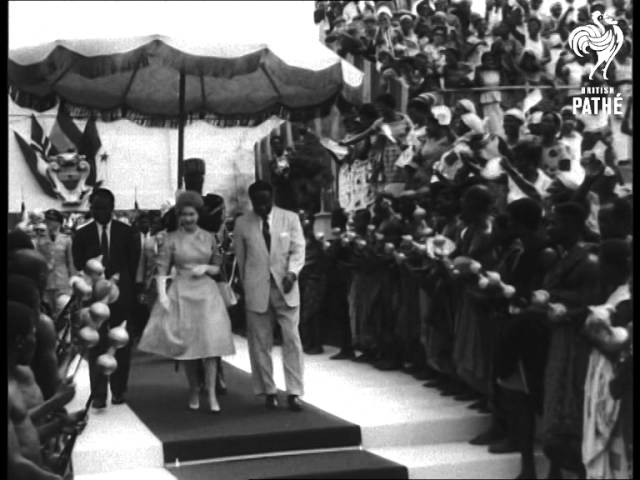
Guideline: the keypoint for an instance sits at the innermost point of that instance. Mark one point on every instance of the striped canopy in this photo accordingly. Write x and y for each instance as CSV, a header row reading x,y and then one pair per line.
x,y
139,76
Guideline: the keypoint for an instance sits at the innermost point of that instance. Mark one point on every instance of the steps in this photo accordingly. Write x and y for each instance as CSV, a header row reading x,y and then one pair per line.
x,y
354,463
399,418
158,473
457,460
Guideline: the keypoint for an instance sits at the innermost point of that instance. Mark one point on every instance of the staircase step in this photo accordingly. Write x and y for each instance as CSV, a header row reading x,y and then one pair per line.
x,y
116,439
336,464
457,460
132,474
425,427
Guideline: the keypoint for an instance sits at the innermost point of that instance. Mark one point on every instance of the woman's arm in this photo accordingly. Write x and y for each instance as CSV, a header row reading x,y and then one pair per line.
x,y
69,259
362,135
527,188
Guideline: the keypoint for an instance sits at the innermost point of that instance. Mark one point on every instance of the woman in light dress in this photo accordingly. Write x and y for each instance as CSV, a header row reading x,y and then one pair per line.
x,y
189,321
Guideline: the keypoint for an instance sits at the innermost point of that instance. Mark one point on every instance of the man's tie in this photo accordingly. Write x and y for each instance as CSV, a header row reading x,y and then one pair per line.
x,y
266,233
104,246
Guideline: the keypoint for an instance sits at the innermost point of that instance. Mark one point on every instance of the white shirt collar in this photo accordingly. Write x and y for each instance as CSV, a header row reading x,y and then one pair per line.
x,y
100,227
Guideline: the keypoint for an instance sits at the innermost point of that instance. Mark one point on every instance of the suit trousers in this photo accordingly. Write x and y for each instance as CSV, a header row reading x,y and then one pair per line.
x,y
260,340
118,379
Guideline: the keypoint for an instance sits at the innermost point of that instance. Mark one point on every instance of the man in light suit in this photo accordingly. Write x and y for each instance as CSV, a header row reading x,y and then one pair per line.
x,y
269,246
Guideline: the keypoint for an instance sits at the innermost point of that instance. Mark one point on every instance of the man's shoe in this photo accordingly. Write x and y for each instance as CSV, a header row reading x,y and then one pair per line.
x,y
505,445
466,396
364,358
387,365
437,382
271,401
294,403
425,375
342,355
99,403
487,438
118,399
314,350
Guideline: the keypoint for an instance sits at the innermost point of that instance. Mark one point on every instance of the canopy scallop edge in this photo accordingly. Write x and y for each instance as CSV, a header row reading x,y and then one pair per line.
x,y
140,78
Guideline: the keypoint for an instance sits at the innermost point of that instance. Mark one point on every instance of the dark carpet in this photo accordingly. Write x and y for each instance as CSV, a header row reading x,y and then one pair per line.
x,y
158,396
351,464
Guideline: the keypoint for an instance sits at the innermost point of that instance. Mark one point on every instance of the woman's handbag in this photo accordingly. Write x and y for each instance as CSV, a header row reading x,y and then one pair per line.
x,y
227,293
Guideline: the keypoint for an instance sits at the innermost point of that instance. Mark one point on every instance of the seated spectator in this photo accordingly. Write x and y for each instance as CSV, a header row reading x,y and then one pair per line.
x,y
25,458
31,264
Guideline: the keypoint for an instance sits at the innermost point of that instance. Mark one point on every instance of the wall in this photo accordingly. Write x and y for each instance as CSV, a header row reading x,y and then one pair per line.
x,y
144,159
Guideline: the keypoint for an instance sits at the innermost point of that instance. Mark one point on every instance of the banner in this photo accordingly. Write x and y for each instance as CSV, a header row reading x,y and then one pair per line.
x,y
354,192
131,158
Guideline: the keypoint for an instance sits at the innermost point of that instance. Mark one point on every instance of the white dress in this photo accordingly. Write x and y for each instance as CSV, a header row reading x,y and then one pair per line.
x,y
197,324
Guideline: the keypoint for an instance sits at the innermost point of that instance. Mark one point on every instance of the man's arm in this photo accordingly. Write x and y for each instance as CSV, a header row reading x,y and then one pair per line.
x,y
77,249
132,245
297,246
69,258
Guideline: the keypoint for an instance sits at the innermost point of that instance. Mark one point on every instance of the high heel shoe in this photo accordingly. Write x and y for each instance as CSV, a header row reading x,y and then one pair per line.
x,y
214,406
194,401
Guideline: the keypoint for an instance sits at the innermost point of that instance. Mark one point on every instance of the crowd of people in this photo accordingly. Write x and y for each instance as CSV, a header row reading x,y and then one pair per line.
x,y
494,256
514,46
492,259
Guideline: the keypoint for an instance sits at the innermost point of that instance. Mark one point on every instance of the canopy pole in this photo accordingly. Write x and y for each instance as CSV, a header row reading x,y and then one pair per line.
x,y
181,123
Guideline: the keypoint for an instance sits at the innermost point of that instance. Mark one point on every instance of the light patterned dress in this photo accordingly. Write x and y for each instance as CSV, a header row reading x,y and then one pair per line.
x,y
197,324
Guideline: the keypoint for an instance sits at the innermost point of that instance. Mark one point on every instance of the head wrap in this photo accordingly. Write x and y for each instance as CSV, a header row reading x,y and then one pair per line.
x,y
442,114
516,113
474,122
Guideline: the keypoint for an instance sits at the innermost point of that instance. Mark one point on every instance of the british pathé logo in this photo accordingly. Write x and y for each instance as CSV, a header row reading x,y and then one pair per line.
x,y
598,100
604,37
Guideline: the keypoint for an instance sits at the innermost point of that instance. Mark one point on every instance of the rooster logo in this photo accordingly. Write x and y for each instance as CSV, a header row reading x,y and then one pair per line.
x,y
604,38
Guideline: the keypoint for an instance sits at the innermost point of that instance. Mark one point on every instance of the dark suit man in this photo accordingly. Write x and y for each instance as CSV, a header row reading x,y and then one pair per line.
x,y
120,248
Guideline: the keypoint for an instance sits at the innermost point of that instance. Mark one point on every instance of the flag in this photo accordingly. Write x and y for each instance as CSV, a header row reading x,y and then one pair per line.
x,y
65,135
36,162
90,145
39,141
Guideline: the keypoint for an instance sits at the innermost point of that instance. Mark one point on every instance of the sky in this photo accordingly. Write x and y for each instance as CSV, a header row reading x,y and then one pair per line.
x,y
34,23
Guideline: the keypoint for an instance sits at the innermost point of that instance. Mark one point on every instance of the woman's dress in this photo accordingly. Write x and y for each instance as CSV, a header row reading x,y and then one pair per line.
x,y
197,324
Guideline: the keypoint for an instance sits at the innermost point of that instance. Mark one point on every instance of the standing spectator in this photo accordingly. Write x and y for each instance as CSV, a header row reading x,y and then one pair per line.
x,y
556,155
391,129
313,280
56,249
572,283
525,177
120,250
622,80
513,122
488,75
603,446
141,225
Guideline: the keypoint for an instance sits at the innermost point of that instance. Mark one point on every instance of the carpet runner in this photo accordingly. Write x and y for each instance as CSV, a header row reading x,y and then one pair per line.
x,y
158,396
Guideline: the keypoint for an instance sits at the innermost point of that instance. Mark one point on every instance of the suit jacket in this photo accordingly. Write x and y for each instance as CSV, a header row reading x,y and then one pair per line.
x,y
256,264
124,253
147,265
